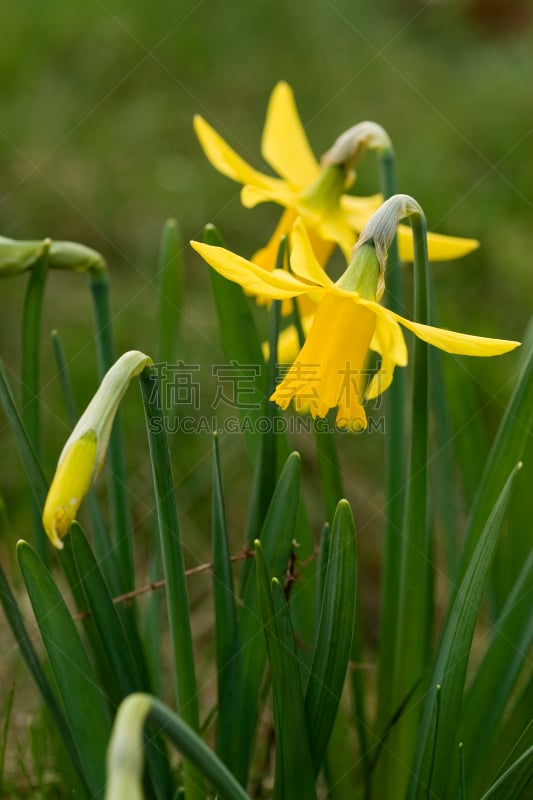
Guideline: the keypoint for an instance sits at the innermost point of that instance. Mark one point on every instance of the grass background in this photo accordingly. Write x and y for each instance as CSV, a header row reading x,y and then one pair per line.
x,y
97,146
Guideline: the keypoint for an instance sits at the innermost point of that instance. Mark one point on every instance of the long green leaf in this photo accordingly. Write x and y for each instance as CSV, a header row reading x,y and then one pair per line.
x,y
174,570
228,656
170,275
276,539
496,676
28,457
514,737
294,776
108,626
104,613
507,450
116,474
451,663
81,697
240,341
334,637
16,623
516,782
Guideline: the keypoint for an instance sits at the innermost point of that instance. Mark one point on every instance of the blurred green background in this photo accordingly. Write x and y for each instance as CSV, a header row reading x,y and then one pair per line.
x,y
97,146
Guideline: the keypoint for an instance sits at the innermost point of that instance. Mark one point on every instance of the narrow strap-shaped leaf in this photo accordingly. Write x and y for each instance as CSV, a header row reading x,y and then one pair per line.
x,y
106,675
451,663
31,659
174,570
170,275
507,450
64,378
443,487
514,737
28,457
515,781
228,656
80,695
240,340
294,776
108,625
265,466
514,545
496,676
124,759
333,642
8,708
104,612
276,539
118,495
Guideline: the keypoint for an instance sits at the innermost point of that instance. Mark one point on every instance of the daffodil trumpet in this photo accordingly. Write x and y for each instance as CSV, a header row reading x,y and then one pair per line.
x,y
317,194
83,455
329,371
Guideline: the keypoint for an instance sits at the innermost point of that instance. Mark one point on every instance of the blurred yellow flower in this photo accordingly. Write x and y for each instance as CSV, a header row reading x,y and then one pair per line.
x,y
307,190
83,455
349,321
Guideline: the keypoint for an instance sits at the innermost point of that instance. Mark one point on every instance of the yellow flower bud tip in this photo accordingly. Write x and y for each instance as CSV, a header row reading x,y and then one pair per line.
x,y
71,483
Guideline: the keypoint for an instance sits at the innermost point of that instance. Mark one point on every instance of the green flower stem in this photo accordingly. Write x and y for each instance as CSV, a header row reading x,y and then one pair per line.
x,y
120,509
30,379
174,570
394,474
414,597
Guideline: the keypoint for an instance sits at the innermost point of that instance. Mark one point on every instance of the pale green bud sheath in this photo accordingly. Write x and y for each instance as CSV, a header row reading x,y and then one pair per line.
x,y
350,145
83,455
125,754
17,257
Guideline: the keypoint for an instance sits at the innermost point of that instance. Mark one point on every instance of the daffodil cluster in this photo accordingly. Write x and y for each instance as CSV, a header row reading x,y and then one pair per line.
x,y
317,194
344,320
329,371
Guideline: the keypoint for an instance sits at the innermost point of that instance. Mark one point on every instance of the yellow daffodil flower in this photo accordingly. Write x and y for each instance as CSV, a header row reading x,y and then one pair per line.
x,y
83,455
349,321
307,190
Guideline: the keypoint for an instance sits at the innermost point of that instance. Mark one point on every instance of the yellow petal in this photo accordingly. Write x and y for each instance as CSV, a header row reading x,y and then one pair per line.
x,y
284,143
329,370
277,285
69,486
463,344
303,260
440,247
267,256
227,161
289,341
335,229
276,192
388,341
358,210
